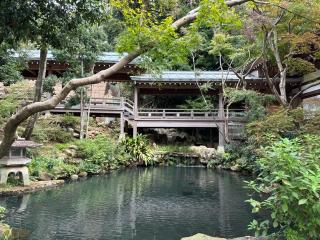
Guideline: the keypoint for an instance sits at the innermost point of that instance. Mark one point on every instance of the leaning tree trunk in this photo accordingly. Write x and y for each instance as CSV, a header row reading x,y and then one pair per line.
x,y
38,92
15,120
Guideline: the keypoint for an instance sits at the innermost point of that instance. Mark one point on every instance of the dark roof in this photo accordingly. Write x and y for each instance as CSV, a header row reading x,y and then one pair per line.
x,y
21,143
105,57
191,76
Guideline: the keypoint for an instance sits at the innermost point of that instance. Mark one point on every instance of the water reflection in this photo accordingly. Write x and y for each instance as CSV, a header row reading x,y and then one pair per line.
x,y
154,203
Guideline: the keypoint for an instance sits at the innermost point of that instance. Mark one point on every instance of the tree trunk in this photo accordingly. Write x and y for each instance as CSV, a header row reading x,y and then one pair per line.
x,y
38,92
15,120
82,114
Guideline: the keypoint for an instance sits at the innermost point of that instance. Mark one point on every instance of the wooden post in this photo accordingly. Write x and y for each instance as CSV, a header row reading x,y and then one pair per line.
x,y
136,101
221,124
135,130
121,126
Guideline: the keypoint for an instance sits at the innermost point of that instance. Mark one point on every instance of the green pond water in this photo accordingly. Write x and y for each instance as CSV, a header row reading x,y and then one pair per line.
x,y
143,204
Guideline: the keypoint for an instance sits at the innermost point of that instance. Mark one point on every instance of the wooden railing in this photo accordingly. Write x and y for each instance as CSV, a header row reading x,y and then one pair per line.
x,y
186,114
126,106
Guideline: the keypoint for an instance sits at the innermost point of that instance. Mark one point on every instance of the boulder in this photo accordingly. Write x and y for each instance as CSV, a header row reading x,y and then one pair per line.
x,y
251,238
235,168
44,176
200,236
73,147
70,152
204,153
83,174
74,177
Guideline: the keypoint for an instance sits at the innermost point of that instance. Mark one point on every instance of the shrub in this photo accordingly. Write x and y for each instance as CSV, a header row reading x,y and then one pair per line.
x,y
54,166
69,120
100,151
280,124
290,173
51,133
138,148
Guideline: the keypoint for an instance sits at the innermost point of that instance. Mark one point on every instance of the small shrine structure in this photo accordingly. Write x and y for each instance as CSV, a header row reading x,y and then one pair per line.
x,y
16,160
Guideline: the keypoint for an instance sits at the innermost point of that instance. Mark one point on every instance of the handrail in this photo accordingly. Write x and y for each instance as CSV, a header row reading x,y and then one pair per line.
x,y
127,107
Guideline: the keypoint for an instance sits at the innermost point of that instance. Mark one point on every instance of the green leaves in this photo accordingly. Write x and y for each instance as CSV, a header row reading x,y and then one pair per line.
x,y
302,201
291,173
138,149
218,15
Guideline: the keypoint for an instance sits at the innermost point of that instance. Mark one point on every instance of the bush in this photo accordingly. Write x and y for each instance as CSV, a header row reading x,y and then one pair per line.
x,y
51,133
69,120
54,166
139,149
290,173
99,151
280,124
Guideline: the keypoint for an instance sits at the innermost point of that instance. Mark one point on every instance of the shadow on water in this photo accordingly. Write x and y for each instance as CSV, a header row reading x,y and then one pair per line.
x,y
141,204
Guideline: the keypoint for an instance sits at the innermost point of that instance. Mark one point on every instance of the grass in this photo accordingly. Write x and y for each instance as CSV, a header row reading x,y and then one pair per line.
x,y
173,148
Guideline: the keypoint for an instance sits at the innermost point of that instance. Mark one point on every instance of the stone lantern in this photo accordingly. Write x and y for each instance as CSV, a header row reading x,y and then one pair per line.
x,y
16,160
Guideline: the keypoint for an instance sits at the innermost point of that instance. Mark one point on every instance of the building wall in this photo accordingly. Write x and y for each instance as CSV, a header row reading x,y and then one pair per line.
x,y
312,104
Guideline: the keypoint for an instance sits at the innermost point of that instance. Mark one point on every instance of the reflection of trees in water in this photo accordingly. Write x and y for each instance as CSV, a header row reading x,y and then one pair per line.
x,y
130,202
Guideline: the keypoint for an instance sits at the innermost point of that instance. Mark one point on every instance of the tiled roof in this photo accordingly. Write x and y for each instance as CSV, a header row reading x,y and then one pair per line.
x,y
181,76
105,57
20,143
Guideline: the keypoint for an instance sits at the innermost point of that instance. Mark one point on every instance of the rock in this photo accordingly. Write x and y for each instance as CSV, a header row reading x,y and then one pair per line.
x,y
83,174
235,168
44,176
74,177
75,161
70,152
204,152
73,147
70,129
250,238
201,236
172,134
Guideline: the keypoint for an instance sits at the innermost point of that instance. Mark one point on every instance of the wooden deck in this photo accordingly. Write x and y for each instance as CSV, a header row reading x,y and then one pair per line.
x,y
156,118
118,106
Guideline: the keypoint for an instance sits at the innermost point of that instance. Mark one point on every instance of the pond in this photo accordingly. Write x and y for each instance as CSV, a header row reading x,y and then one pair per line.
x,y
161,203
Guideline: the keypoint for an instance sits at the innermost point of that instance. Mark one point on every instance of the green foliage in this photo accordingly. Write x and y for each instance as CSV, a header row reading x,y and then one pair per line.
x,y
55,166
68,120
213,13
234,48
100,152
173,148
311,124
51,133
18,94
138,149
299,67
256,102
290,174
49,83
203,103
10,67
280,124
44,22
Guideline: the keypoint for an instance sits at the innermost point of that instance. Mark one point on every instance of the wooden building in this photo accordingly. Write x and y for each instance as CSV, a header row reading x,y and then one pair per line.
x,y
168,84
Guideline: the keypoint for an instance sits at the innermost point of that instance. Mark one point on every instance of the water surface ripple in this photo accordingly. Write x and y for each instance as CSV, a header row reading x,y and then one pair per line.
x,y
141,204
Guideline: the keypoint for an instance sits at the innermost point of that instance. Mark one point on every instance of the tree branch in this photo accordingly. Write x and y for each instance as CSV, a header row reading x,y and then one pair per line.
x,y
15,120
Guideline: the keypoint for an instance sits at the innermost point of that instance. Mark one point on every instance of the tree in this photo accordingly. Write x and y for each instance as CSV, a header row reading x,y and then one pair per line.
x,y
143,35
81,53
44,24
280,35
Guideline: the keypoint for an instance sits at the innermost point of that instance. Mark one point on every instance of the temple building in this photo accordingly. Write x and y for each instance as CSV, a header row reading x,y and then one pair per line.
x,y
134,112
